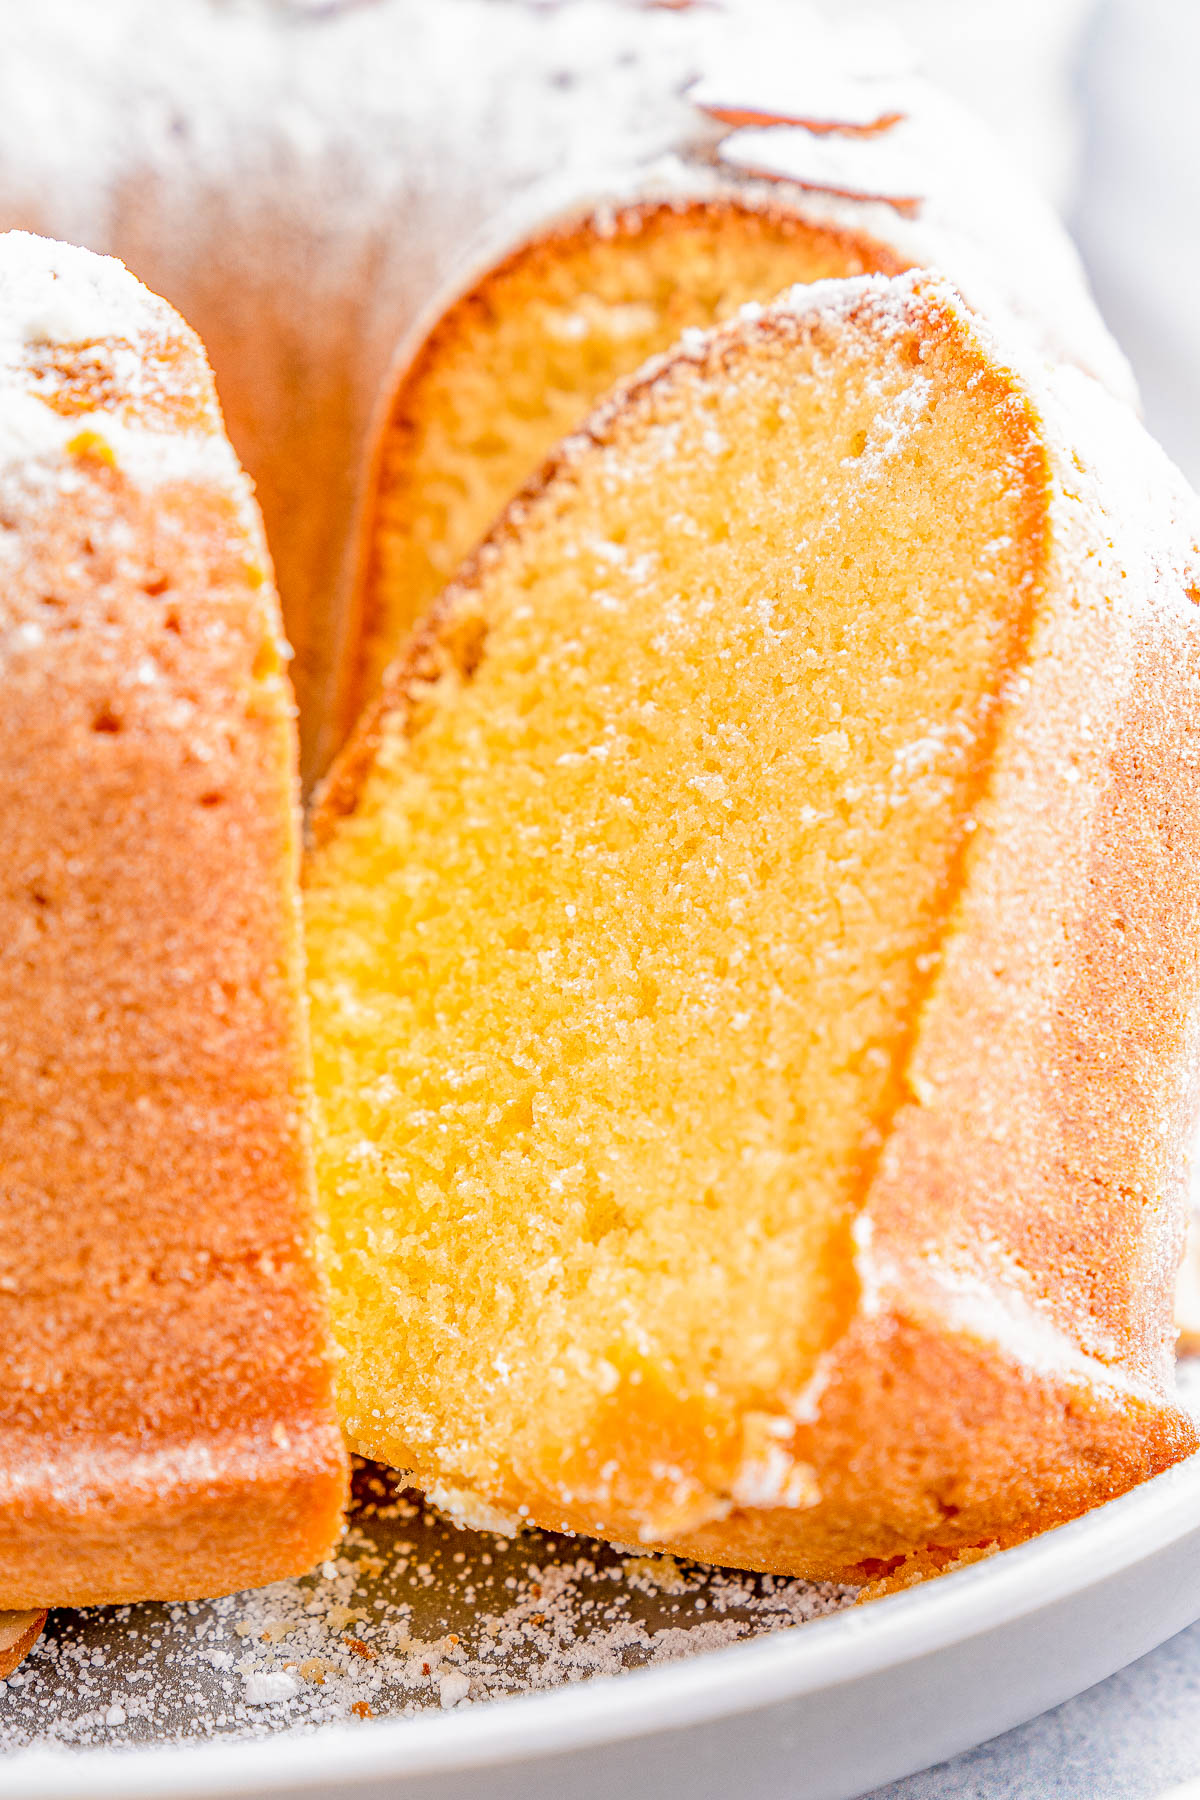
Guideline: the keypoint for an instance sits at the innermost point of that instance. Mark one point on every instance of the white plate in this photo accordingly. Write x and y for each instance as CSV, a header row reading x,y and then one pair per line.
x,y
820,1712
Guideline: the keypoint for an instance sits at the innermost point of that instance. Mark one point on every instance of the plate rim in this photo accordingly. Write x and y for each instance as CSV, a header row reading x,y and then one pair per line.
x,y
823,1653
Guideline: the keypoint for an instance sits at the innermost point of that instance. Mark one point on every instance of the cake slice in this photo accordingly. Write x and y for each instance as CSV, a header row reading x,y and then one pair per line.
x,y
166,1427
754,959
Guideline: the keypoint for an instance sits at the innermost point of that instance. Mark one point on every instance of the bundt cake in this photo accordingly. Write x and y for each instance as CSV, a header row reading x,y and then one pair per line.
x,y
753,936
754,953
308,183
166,1427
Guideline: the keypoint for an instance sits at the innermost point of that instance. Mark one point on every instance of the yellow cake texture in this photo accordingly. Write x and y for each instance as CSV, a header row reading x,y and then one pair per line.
x,y
750,1106
520,359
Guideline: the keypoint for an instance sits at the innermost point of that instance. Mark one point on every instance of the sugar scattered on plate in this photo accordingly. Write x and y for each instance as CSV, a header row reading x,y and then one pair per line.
x,y
414,1613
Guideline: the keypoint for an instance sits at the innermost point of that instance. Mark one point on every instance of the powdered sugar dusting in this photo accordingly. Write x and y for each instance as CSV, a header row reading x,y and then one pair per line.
x,y
861,167
29,430
52,293
937,188
851,79
88,371
285,156
413,1614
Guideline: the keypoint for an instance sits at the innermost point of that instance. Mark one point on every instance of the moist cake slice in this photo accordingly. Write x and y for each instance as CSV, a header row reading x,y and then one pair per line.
x,y
755,962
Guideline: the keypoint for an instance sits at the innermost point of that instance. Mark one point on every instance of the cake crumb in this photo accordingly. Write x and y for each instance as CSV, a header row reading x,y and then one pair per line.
x,y
453,1688
264,1688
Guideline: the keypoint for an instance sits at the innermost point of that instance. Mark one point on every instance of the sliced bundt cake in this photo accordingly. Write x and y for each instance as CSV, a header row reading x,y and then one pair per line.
x,y
166,1426
755,961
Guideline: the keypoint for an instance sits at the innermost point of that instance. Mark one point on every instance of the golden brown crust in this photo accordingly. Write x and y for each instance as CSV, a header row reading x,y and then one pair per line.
x,y
166,1427
19,1632
999,1376
737,117
927,1441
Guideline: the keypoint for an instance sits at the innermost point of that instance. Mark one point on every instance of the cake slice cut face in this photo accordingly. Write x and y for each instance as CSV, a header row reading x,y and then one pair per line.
x,y
522,356
627,916
166,1426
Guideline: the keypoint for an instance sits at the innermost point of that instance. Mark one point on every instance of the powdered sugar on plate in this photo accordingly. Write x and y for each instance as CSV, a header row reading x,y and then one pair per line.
x,y
413,1614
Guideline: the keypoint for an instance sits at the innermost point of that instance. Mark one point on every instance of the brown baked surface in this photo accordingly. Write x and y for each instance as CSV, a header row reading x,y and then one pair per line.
x,y
755,963
520,359
165,1420
19,1632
